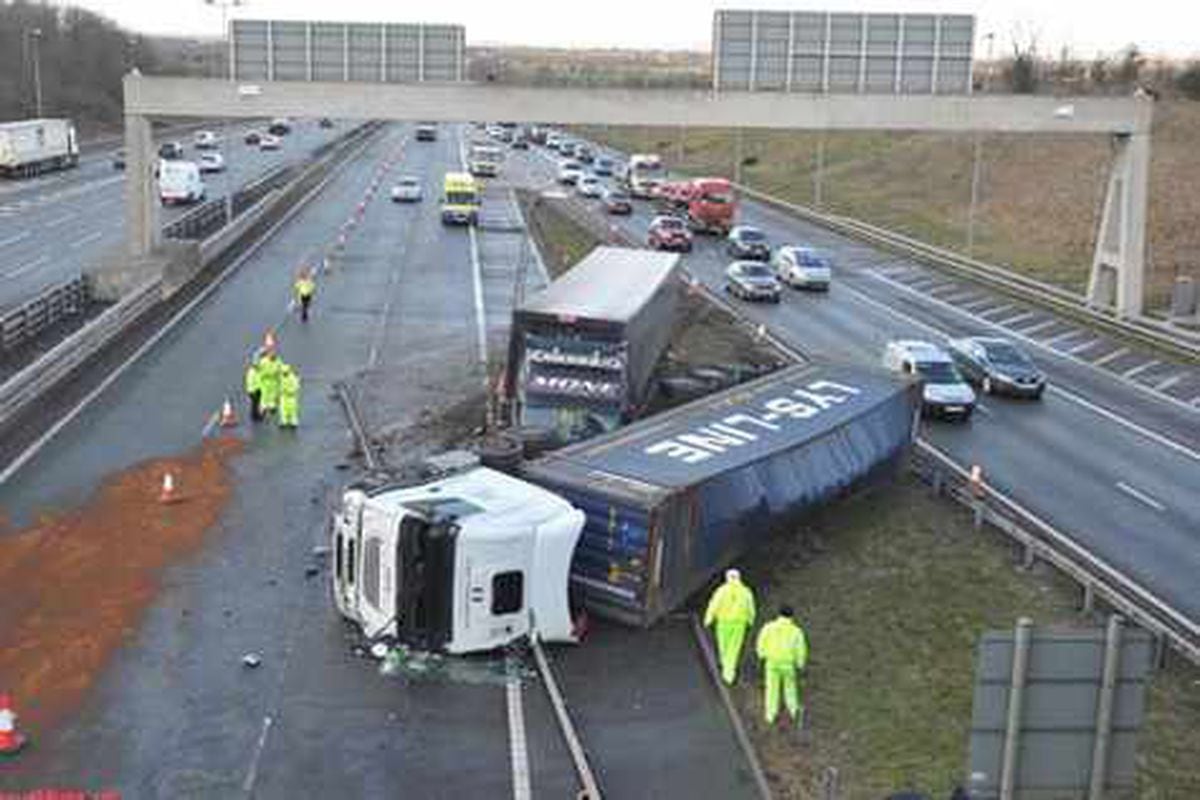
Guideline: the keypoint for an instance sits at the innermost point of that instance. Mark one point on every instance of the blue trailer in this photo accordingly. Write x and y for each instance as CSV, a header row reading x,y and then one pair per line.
x,y
672,500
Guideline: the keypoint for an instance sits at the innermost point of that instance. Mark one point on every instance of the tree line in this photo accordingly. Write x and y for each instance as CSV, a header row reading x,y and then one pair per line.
x,y
81,58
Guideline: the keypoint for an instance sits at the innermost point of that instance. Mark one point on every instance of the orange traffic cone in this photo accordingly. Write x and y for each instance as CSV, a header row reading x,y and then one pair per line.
x,y
976,481
167,493
11,740
228,418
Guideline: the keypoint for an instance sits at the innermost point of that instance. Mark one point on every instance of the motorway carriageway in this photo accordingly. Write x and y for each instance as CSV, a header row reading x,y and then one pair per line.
x,y
1105,460
175,714
54,226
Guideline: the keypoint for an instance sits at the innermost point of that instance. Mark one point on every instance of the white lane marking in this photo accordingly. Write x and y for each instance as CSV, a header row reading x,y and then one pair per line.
x,y
517,745
1000,309
56,222
925,282
14,239
252,773
1141,496
1079,348
21,270
974,305
1007,323
1041,326
210,425
476,275
86,240
1113,356
1066,394
1195,401
1168,382
1140,368
958,297
1062,337
982,409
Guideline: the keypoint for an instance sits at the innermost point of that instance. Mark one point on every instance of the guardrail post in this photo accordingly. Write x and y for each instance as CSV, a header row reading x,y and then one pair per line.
x,y
1028,554
1089,599
978,512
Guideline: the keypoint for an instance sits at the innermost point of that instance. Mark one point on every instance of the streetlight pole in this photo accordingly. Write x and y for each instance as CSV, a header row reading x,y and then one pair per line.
x,y
36,35
225,5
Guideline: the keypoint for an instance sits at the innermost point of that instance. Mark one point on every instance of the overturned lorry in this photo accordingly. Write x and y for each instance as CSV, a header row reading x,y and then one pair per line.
x,y
627,524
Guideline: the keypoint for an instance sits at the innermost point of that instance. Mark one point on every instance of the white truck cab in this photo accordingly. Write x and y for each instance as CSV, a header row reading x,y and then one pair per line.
x,y
465,563
944,392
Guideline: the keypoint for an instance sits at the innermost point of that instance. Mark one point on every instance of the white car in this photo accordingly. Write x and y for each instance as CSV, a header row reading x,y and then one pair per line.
x,y
944,392
569,172
211,162
269,141
803,267
407,190
589,186
205,140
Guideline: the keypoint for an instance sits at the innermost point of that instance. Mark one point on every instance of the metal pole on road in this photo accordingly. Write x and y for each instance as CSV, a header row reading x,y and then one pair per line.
x,y
225,5
819,172
36,35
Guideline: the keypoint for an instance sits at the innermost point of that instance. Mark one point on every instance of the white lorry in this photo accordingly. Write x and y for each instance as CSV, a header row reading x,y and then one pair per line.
x,y
468,562
179,182
643,175
33,146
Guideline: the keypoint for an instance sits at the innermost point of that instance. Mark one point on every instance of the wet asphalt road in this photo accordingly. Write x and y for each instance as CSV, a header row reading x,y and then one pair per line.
x,y
1072,458
176,715
55,225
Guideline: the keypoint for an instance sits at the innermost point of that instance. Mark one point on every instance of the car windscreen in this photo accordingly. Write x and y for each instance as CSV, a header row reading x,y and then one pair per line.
x,y
460,198
408,181
1005,353
938,372
670,223
755,270
570,165
807,258
617,196
752,235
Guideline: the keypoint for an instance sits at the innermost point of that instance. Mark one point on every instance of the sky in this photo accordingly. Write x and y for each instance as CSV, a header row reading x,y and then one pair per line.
x,y
1166,27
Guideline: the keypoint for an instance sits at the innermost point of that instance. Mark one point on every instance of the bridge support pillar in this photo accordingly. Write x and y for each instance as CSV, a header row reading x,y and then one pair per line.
x,y
1118,278
141,210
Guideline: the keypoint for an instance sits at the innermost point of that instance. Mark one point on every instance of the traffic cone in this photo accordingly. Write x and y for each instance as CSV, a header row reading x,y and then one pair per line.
x,y
976,481
228,418
11,740
167,493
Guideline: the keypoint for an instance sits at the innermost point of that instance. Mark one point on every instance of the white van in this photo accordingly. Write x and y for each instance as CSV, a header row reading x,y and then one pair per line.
x,y
179,182
944,392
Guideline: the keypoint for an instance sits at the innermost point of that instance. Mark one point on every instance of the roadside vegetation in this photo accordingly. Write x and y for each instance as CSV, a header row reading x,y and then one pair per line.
x,y
562,242
894,588
1040,196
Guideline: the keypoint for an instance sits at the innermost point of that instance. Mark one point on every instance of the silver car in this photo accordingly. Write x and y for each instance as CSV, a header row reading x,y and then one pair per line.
x,y
407,190
752,280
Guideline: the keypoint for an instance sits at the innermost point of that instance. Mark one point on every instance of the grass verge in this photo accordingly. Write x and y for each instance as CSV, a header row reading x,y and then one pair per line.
x,y
894,588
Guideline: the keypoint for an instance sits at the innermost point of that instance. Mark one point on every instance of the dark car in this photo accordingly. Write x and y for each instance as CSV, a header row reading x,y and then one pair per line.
x,y
752,280
427,132
252,137
616,202
520,142
604,165
170,151
669,233
997,366
567,148
584,153
325,122
118,159
746,241
279,126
